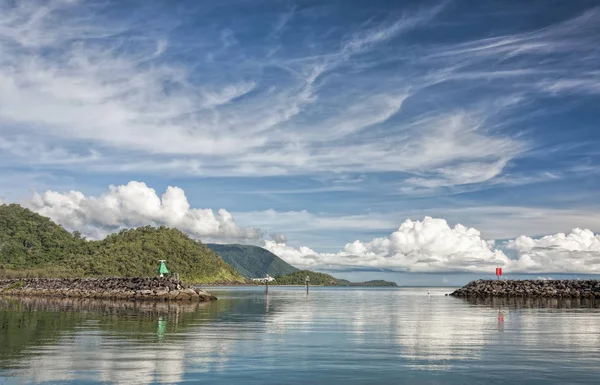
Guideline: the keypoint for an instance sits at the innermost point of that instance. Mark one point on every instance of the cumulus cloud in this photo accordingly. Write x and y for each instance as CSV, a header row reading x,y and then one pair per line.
x,y
576,252
429,245
279,238
577,240
136,204
432,245
420,246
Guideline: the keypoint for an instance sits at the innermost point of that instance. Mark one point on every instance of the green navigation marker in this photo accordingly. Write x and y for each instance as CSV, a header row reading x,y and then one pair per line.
x,y
162,268
162,328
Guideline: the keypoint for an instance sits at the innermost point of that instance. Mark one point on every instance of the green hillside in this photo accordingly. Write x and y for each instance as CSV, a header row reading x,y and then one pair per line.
x,y
28,240
32,245
299,278
374,283
322,279
252,261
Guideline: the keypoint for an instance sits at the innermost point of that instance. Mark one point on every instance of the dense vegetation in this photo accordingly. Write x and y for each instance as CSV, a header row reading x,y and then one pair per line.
x,y
30,241
253,261
375,283
32,245
299,278
35,322
322,279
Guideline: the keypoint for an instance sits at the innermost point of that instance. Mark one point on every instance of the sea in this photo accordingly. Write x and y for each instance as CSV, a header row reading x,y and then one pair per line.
x,y
288,336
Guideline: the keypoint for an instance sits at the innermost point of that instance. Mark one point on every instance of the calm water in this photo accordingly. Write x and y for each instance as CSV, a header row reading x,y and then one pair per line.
x,y
331,336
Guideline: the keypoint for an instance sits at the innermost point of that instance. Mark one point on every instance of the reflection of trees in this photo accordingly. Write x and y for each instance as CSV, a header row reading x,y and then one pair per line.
x,y
125,342
48,337
28,322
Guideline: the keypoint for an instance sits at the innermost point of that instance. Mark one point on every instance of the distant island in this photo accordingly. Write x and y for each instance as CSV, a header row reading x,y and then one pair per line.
x,y
322,279
256,262
33,246
374,283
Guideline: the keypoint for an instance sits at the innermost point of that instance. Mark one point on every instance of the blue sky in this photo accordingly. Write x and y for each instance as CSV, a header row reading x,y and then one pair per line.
x,y
326,121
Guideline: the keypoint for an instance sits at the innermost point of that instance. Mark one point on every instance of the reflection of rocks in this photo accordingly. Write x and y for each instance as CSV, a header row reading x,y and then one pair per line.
x,y
124,342
157,289
145,308
531,288
534,303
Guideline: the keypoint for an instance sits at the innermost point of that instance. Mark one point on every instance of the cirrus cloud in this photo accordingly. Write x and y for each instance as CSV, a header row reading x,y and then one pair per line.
x,y
112,92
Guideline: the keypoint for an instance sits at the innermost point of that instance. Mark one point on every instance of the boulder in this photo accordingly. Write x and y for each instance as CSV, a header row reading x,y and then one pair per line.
x,y
107,288
528,288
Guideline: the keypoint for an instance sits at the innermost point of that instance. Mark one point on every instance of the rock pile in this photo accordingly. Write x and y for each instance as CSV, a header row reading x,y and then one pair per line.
x,y
531,288
142,309
161,289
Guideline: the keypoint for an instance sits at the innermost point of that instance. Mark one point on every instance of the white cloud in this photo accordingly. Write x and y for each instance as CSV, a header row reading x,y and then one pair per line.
x,y
467,173
133,205
325,232
278,238
589,85
564,54
76,89
419,246
507,222
432,245
573,36
576,252
577,240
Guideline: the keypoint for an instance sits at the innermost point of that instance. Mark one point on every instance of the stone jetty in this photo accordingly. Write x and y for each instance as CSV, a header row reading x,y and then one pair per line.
x,y
531,288
135,289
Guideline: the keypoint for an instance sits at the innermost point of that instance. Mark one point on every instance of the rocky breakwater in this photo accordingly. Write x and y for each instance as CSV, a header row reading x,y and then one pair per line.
x,y
531,288
135,289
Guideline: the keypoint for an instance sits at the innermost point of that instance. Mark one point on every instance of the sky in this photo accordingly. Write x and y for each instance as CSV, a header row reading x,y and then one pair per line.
x,y
417,140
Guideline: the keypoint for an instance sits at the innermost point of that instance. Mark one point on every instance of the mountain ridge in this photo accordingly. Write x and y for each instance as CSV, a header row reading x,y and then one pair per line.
x,y
252,261
32,245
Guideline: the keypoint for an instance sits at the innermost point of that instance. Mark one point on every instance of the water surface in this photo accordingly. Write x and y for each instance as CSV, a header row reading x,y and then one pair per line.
x,y
330,336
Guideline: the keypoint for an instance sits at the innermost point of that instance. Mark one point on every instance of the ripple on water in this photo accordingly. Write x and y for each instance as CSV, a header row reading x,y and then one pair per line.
x,y
331,336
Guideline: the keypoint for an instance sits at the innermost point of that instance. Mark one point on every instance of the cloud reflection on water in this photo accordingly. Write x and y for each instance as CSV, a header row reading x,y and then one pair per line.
x,y
289,331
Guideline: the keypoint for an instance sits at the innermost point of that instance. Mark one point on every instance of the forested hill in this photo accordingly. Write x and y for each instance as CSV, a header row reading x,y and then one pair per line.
x,y
374,283
32,245
322,279
299,278
252,261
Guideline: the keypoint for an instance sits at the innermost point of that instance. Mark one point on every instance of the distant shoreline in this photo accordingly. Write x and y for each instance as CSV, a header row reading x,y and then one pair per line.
x,y
279,285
